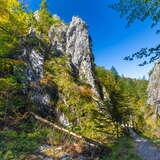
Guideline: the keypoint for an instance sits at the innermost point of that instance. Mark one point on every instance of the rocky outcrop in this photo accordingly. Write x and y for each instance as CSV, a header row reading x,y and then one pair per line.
x,y
154,88
74,40
79,47
44,95
57,36
37,93
35,62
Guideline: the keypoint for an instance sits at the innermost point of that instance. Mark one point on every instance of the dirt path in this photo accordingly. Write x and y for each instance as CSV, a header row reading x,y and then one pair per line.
x,y
146,150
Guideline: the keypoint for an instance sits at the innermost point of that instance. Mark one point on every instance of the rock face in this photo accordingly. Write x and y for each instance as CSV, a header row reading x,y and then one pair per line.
x,y
74,40
154,88
57,36
37,93
42,95
79,47
35,64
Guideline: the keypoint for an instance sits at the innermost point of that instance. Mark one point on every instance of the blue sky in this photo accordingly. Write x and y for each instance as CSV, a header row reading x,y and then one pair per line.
x,y
111,39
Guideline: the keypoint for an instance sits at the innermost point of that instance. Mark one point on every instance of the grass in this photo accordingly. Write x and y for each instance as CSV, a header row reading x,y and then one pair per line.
x,y
122,149
19,141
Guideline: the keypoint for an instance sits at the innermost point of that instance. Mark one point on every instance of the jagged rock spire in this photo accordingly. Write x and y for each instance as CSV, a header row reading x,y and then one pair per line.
x,y
78,45
74,40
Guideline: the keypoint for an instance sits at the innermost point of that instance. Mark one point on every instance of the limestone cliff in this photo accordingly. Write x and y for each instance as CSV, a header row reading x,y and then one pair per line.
x,y
154,88
60,73
74,40
79,47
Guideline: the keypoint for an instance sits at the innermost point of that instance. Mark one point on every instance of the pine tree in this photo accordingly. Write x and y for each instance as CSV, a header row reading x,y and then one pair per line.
x,y
43,5
14,24
114,72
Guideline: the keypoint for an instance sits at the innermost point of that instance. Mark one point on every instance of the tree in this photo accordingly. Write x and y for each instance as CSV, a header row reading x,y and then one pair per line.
x,y
44,20
118,107
134,10
114,72
43,5
14,24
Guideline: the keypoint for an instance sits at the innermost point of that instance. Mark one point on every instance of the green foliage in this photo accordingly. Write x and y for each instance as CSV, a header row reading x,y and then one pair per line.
x,y
43,4
8,66
127,99
10,99
72,96
17,144
68,94
75,100
136,91
118,106
44,20
141,10
14,27
107,78
114,72
8,84
14,24
11,74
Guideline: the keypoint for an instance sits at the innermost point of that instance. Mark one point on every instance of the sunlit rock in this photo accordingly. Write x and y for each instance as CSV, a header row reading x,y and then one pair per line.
x,y
79,48
154,88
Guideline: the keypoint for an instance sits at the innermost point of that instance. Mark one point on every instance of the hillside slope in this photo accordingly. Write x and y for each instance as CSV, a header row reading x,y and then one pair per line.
x,y
54,101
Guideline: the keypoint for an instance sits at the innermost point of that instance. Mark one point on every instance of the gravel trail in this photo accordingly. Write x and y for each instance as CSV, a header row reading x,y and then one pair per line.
x,y
146,150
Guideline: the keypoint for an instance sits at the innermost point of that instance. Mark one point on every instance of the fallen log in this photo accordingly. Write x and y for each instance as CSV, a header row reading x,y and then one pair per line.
x,y
55,126
86,140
